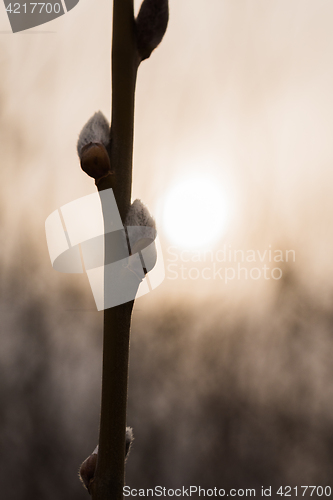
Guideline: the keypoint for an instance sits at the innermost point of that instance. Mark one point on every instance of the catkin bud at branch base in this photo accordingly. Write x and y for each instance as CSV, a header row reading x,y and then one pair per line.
x,y
88,467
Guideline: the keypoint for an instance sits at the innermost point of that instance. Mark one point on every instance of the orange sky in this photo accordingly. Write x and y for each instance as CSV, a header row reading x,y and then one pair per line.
x,y
239,91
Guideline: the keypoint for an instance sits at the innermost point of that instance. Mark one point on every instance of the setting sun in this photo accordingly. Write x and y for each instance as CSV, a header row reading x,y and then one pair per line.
x,y
195,213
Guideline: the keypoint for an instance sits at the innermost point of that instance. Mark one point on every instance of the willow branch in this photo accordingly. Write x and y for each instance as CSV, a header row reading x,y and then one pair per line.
x,y
109,476
109,161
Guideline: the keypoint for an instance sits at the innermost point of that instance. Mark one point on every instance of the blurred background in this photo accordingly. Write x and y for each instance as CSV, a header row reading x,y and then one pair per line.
x,y
231,380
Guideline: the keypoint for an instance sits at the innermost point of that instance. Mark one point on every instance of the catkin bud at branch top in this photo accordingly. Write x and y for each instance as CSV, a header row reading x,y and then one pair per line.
x,y
151,25
92,147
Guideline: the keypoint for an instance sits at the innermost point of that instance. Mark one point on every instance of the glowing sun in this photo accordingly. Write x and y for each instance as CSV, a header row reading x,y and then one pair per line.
x,y
195,213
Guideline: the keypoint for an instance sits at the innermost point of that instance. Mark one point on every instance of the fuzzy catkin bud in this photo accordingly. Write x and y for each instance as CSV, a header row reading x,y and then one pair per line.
x,y
142,226
88,467
141,233
92,146
97,129
128,441
138,215
151,25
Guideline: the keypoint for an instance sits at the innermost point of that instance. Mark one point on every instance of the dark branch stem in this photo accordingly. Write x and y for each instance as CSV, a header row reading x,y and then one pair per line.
x,y
127,35
109,477
125,62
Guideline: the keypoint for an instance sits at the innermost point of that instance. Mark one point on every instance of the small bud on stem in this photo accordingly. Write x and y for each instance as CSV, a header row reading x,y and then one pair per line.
x,y
138,215
88,467
141,233
151,25
92,147
95,160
